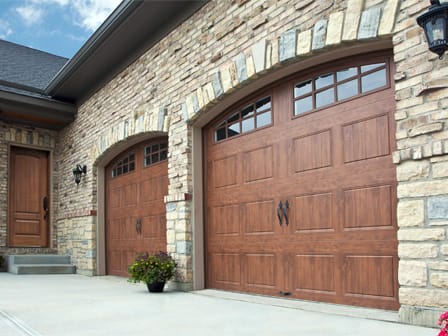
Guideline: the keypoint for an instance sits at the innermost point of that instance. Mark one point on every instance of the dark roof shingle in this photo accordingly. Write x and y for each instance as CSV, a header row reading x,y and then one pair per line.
x,y
28,67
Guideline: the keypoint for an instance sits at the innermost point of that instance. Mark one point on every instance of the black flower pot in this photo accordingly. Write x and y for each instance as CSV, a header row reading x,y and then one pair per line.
x,y
156,287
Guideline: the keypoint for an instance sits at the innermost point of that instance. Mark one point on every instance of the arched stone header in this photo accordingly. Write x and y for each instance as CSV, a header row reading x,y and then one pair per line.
x,y
356,23
145,119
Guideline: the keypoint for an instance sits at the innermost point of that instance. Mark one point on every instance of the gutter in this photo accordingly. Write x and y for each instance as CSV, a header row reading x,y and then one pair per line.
x,y
120,14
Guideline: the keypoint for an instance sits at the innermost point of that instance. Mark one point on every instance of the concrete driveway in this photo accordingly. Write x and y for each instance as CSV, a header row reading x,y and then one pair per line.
x,y
63,305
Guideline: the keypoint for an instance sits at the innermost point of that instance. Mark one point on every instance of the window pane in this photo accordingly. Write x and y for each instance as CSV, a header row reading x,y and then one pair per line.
x,y
163,145
220,134
348,89
324,80
303,105
125,161
163,155
234,117
131,166
347,73
324,98
147,161
264,119
155,158
369,67
125,169
247,111
155,148
114,172
119,171
132,157
302,88
248,124
233,130
263,104
373,81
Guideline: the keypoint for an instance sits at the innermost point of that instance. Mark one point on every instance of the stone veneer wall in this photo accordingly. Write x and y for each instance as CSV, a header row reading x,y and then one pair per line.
x,y
422,170
226,46
31,137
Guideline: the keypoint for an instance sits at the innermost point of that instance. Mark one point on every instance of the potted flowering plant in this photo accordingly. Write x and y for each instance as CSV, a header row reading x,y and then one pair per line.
x,y
153,269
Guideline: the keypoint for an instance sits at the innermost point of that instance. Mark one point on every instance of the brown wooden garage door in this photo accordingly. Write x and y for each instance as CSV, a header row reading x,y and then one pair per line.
x,y
136,183
301,189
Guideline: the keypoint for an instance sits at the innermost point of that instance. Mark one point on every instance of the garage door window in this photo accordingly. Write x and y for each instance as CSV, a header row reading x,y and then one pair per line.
x,y
124,165
249,118
155,153
333,87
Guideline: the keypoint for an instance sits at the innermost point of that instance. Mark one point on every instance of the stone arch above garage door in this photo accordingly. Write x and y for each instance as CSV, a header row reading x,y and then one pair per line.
x,y
144,122
357,23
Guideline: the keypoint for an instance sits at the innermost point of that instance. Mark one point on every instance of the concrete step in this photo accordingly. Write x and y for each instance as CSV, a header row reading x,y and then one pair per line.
x,y
43,269
40,264
39,259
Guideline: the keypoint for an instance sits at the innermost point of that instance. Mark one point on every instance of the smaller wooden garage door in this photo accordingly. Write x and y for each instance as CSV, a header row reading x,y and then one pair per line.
x,y
136,184
301,189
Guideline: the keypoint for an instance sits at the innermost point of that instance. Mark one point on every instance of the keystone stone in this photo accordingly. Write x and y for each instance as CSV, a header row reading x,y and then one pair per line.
x,y
370,20
287,47
319,32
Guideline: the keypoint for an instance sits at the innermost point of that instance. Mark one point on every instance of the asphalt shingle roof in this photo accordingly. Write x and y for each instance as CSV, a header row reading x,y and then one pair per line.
x,y
28,67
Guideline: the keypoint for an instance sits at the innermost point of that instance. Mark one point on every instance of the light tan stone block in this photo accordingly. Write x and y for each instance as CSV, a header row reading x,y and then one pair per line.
x,y
413,170
334,30
410,213
420,189
352,17
440,169
412,273
304,41
417,251
421,234
439,279
438,265
423,297
388,18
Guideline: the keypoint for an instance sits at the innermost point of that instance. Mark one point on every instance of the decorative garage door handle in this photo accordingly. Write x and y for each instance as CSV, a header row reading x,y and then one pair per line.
x,y
138,226
285,211
279,213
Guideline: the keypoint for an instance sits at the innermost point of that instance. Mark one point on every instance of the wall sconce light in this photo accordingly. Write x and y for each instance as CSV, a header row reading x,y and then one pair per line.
x,y
434,23
78,171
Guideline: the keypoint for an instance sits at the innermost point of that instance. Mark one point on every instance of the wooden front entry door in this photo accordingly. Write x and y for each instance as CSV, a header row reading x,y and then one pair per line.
x,y
301,189
28,198
136,184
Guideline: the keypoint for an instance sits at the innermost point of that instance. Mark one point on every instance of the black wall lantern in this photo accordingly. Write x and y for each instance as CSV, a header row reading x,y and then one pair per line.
x,y
78,171
434,22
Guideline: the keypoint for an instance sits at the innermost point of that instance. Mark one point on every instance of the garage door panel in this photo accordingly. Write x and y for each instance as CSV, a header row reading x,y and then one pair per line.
x,y
130,195
368,207
226,269
152,227
224,220
312,213
127,228
366,139
260,270
313,273
370,275
312,151
115,198
258,164
258,218
225,172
